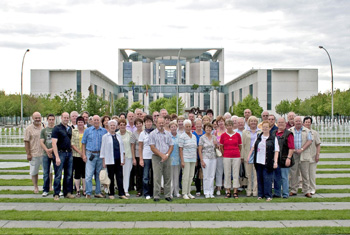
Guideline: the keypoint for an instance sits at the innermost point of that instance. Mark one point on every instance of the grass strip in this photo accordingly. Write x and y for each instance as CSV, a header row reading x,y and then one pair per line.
x,y
181,231
335,149
176,216
13,149
16,173
19,182
334,159
333,181
332,172
142,200
333,166
14,160
5,152
17,168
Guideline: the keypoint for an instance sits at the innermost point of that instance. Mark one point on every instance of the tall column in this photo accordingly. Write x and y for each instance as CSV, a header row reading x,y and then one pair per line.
x,y
146,102
130,98
195,103
201,100
215,102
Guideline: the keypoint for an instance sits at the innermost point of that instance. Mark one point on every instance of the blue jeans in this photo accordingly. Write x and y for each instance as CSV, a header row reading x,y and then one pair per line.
x,y
264,177
285,182
46,172
93,168
66,165
147,178
277,181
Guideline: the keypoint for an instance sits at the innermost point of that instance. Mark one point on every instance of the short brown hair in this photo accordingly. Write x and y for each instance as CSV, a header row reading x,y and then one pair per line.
x,y
220,118
208,125
122,120
138,120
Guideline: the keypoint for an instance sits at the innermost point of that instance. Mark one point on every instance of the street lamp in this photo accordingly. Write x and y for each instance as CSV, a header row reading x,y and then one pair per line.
x,y
179,75
22,89
321,47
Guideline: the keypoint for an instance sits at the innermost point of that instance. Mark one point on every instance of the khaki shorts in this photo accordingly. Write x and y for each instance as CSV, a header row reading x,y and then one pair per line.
x,y
35,165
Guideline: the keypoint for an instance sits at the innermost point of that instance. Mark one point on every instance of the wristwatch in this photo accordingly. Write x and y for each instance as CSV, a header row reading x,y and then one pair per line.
x,y
302,149
167,154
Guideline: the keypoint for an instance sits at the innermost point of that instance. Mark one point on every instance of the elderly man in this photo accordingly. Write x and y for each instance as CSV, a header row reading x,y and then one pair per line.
x,y
130,125
33,148
73,119
191,116
91,145
272,123
163,112
138,113
281,173
155,116
85,115
227,115
264,117
247,113
302,157
240,126
62,149
161,145
315,149
290,117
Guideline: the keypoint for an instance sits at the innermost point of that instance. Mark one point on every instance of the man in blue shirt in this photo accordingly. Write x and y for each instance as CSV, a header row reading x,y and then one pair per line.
x,y
91,145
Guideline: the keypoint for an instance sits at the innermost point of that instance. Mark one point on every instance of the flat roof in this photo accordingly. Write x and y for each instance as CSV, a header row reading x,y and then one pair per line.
x,y
153,53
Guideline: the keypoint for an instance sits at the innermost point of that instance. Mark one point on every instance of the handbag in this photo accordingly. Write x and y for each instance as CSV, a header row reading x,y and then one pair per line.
x,y
242,171
251,158
104,180
218,152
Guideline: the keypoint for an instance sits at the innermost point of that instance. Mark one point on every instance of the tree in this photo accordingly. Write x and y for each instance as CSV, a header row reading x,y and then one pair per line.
x,y
96,105
247,103
215,84
195,86
295,105
72,101
121,105
283,107
136,105
157,105
170,105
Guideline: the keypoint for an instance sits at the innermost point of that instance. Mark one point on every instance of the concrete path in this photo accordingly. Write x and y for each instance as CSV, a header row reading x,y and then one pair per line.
x,y
173,224
334,163
175,207
13,164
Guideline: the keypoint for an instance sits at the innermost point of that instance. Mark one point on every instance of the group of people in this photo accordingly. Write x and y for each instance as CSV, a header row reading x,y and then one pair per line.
x,y
166,153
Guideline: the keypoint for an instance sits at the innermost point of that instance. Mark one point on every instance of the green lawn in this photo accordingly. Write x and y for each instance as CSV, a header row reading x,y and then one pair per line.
x,y
176,216
17,168
333,166
182,231
332,172
333,181
13,160
335,149
334,159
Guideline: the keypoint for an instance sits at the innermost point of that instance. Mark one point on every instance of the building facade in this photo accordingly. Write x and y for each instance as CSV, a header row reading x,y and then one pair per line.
x,y
54,82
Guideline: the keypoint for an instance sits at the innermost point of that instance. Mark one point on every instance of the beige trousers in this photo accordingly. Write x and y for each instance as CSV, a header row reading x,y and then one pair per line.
x,y
312,173
231,167
303,168
187,177
250,173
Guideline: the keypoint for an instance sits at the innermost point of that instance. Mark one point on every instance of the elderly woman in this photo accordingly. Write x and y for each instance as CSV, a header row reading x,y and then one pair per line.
x,y
266,150
146,157
231,145
78,163
134,140
198,133
175,161
219,161
126,135
248,138
113,156
207,155
188,155
205,120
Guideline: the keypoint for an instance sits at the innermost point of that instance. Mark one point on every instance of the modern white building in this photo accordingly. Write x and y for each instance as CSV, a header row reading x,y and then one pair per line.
x,y
56,81
158,68
271,86
199,69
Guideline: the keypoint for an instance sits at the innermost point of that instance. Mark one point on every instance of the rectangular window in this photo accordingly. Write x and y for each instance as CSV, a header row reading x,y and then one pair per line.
x,y
206,101
251,89
127,72
233,97
192,99
78,81
214,71
104,94
240,95
136,97
269,89
95,89
226,103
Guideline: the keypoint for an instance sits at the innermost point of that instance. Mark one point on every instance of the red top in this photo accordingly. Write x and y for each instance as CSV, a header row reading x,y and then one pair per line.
x,y
230,144
290,139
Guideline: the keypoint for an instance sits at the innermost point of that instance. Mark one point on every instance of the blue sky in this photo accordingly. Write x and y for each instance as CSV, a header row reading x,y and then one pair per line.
x,y
77,34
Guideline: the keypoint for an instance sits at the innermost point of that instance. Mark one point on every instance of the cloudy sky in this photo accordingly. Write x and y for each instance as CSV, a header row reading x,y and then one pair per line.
x,y
86,34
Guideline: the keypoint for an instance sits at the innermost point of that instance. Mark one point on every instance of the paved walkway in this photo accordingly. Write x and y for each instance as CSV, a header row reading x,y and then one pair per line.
x,y
175,207
174,224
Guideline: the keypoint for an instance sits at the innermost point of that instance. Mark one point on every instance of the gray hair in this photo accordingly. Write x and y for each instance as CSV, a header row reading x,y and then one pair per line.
x,y
187,121
197,119
227,114
112,121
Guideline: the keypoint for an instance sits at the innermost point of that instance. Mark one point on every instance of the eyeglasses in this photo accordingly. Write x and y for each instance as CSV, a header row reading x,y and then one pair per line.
x,y
265,115
156,115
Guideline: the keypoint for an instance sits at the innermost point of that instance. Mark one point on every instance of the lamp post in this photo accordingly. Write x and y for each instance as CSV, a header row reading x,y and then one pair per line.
x,y
321,47
178,69
22,88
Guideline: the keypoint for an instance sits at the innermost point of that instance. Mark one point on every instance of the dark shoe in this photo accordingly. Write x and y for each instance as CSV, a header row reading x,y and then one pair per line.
x,y
292,194
99,196
308,195
276,196
169,199
156,199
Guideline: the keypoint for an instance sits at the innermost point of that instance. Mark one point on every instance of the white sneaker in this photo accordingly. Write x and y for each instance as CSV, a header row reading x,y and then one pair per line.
x,y
218,193
178,195
61,194
198,194
191,196
185,197
207,196
212,196
148,197
45,194
127,194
